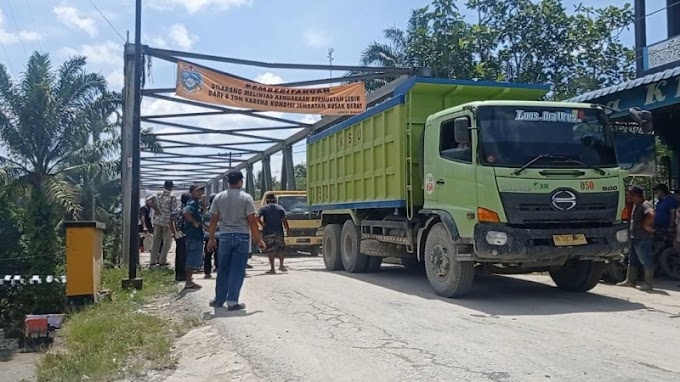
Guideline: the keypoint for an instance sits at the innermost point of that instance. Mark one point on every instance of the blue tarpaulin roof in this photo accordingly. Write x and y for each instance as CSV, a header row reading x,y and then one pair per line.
x,y
645,80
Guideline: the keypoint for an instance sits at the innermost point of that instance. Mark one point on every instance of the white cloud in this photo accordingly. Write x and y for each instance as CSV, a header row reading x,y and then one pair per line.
x,y
74,19
269,79
7,37
158,42
107,53
222,123
310,118
115,80
194,6
317,38
179,34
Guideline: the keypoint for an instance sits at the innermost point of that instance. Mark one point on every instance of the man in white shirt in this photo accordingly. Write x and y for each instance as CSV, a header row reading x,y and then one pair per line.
x,y
164,203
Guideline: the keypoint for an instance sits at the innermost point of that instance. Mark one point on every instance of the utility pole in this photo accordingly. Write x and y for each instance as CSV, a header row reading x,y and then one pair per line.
x,y
133,160
330,61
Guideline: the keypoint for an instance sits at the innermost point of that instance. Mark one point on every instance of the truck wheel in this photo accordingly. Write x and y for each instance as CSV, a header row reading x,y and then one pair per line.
x,y
578,276
350,247
447,276
412,264
314,251
374,264
669,262
331,247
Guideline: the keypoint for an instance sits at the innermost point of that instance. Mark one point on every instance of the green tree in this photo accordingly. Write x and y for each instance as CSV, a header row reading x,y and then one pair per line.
x,y
43,119
300,171
514,41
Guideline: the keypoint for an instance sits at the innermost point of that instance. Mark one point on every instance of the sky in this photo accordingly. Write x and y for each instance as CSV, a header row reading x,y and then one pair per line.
x,y
292,31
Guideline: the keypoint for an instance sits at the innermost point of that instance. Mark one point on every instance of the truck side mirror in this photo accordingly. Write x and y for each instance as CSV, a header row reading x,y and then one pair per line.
x,y
643,117
461,130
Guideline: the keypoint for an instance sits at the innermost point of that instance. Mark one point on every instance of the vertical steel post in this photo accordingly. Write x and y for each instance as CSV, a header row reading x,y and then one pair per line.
x,y
673,17
266,174
126,148
640,35
133,242
287,169
250,180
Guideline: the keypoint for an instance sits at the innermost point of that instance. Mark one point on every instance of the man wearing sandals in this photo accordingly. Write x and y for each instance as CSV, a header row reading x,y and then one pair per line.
x,y
273,219
193,228
235,211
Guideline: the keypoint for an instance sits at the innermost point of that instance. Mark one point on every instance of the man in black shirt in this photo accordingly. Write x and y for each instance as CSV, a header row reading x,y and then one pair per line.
x,y
273,220
145,226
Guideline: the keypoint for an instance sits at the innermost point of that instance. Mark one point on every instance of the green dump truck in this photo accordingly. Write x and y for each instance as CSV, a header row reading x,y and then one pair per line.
x,y
463,175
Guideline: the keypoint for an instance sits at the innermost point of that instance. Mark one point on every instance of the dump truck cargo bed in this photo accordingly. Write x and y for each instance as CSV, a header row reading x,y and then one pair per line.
x,y
372,160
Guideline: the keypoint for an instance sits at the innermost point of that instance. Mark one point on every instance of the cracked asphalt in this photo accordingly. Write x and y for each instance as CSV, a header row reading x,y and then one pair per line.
x,y
314,325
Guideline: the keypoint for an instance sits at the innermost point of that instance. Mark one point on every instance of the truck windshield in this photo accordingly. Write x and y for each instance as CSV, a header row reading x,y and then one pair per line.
x,y
294,204
512,136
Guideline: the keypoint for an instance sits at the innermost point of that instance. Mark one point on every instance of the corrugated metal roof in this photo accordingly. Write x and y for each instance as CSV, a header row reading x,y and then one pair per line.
x,y
648,79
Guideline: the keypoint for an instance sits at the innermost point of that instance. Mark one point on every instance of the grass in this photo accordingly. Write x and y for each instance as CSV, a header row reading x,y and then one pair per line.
x,y
114,336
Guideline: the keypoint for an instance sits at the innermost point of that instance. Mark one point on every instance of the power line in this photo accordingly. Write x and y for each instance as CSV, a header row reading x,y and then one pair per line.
x,y
30,12
16,24
9,62
107,21
655,12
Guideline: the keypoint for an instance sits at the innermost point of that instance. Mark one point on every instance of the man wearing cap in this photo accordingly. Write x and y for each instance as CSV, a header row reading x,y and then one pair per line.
x,y
235,211
193,228
164,203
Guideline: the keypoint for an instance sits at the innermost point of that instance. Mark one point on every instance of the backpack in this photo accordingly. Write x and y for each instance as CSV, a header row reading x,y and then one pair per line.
x,y
178,218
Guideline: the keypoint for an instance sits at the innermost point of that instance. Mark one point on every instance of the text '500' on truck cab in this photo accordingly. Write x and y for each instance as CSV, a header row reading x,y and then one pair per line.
x,y
510,186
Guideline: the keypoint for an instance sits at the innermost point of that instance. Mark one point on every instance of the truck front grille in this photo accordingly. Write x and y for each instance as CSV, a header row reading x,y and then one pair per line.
x,y
526,208
302,232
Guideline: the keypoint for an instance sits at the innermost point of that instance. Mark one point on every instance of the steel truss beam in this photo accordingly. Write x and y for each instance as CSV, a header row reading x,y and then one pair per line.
x,y
158,167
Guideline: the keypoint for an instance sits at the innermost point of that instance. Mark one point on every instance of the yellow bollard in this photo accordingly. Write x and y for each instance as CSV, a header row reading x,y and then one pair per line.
x,y
84,261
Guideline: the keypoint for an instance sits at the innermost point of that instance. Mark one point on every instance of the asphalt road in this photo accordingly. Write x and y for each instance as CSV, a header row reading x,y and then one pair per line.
x,y
314,325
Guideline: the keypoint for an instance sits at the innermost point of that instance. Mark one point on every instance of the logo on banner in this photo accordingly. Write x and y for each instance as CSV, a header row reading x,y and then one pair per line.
x,y
190,78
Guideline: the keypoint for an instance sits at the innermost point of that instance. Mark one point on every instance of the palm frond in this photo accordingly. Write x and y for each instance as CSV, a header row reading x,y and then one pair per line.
x,y
69,70
59,192
94,167
149,141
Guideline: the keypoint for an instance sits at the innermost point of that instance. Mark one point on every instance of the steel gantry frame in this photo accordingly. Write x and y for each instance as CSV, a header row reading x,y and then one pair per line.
x,y
235,154
209,168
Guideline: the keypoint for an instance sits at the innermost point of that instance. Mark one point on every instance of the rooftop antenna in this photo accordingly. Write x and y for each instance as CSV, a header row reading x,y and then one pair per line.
x,y
330,60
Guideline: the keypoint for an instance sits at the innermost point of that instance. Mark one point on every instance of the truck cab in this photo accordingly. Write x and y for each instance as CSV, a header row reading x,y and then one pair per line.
x,y
528,186
304,224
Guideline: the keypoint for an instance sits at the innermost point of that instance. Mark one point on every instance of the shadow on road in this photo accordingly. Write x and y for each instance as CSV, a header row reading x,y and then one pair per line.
x,y
499,295
7,355
224,313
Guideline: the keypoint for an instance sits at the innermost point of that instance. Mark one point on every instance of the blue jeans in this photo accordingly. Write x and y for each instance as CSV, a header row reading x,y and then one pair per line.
x,y
641,253
232,254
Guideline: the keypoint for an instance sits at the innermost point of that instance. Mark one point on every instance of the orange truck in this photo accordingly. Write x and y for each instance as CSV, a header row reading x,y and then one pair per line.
x,y
304,235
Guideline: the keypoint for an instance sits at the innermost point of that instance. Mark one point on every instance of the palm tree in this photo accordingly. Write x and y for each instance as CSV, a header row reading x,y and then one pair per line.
x,y
300,171
45,124
391,54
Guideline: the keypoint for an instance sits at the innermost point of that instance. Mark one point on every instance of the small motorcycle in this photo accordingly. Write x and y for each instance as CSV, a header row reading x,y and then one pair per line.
x,y
666,255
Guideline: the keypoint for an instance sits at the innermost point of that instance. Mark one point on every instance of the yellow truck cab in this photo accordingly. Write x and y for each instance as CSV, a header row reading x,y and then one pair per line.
x,y
304,224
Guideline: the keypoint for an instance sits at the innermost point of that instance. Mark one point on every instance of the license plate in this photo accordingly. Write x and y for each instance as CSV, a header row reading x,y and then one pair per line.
x,y
302,241
569,240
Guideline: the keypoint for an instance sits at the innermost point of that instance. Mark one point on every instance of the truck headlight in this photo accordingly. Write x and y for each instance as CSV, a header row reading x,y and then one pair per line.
x,y
622,236
496,238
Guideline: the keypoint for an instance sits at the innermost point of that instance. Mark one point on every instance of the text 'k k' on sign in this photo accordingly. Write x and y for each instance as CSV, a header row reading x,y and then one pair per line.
x,y
200,84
